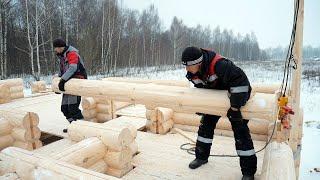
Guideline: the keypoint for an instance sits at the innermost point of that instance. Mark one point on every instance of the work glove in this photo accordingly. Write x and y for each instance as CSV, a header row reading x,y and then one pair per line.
x,y
61,84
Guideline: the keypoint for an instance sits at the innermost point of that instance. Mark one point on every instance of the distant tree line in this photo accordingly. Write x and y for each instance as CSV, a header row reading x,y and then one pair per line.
x,y
279,53
108,36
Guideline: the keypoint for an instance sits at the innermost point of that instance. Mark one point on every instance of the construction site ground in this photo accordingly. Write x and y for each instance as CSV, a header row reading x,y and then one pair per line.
x,y
159,156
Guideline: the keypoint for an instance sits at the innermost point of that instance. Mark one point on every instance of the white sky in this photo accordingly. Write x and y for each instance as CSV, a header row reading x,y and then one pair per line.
x,y
270,20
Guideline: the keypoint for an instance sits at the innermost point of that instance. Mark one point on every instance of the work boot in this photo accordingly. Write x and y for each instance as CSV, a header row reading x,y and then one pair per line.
x,y
197,163
247,177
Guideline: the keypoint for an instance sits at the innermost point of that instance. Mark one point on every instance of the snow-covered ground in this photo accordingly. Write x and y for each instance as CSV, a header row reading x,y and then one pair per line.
x,y
262,72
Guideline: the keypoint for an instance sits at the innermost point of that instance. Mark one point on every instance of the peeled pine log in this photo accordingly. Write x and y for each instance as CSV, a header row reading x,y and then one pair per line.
x,y
164,114
12,82
179,99
165,127
88,103
119,172
151,115
26,134
16,95
101,117
115,140
132,128
6,141
38,86
99,166
220,132
263,88
89,113
16,89
186,119
84,153
145,81
300,126
28,145
4,94
92,120
28,164
21,119
151,126
5,127
102,100
255,126
133,147
278,162
104,108
118,160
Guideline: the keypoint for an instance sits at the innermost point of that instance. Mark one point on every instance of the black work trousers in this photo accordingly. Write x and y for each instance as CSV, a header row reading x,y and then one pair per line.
x,y
70,107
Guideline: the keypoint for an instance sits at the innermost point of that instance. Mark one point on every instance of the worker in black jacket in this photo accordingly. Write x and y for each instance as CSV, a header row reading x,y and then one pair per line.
x,y
207,69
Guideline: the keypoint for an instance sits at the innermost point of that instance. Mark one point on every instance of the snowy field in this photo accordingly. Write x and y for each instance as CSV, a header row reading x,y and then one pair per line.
x,y
261,72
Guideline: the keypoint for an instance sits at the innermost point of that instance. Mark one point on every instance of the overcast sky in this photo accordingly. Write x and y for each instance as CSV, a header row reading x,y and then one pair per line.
x,y
270,20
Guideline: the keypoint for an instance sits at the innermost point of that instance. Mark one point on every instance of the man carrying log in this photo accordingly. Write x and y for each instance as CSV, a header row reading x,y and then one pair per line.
x,y
71,66
207,69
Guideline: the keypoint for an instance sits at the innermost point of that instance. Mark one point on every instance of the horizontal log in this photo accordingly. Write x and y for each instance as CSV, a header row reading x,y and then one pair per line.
x,y
165,127
133,147
99,166
6,141
89,113
20,119
132,128
84,153
118,159
102,100
114,139
256,126
104,108
17,95
151,126
164,114
256,87
28,164
180,99
266,88
88,103
12,82
5,127
219,132
278,162
16,89
4,93
101,117
151,114
38,86
145,81
25,135
30,145
119,172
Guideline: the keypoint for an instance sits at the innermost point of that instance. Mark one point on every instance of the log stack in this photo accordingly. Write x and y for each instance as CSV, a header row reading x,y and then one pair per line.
x,y
191,122
4,94
100,109
159,120
119,146
19,129
15,87
38,87
23,164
